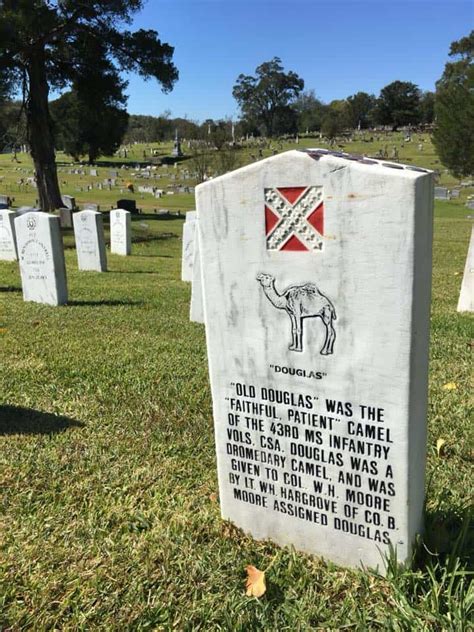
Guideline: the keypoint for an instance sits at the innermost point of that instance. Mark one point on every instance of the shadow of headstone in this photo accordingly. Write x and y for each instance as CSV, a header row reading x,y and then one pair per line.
x,y
18,420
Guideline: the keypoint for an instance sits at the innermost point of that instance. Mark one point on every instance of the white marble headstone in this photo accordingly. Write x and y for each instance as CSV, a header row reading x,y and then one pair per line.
x,y
41,257
196,312
120,232
187,257
7,236
466,297
316,271
90,242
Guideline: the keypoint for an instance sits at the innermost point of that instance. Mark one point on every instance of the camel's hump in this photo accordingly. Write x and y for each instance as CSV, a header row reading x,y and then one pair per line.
x,y
304,288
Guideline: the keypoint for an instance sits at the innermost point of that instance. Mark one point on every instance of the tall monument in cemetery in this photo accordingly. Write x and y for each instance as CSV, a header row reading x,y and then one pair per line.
x,y
176,151
316,270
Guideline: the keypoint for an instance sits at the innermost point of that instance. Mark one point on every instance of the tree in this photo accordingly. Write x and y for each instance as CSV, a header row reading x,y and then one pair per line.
x,y
42,45
360,109
80,128
398,104
427,103
265,98
454,109
310,111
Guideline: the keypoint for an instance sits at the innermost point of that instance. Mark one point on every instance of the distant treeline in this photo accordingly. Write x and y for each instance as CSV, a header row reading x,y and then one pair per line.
x,y
305,115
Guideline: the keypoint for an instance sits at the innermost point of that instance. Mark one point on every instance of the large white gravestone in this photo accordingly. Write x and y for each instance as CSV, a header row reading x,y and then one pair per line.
x,y
316,272
7,236
120,232
466,297
41,257
187,256
90,242
196,311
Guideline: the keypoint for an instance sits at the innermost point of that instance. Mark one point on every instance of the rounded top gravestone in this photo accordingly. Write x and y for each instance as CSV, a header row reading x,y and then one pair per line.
x,y
41,258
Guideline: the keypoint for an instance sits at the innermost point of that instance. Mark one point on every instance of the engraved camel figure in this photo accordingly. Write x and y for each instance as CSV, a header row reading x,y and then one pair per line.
x,y
300,302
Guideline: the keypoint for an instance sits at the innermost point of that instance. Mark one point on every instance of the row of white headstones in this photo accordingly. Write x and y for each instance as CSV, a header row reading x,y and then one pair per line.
x,y
312,274
35,240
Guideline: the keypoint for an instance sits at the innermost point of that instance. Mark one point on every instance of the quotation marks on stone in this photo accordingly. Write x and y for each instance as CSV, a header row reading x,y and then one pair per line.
x,y
294,218
300,302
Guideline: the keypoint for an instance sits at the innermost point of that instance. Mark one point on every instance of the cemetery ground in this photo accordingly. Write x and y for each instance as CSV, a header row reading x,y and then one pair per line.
x,y
109,504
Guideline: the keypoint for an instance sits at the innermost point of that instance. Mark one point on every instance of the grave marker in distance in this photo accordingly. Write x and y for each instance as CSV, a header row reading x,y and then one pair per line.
x,y
196,311
316,272
8,250
187,254
90,241
41,257
466,297
120,232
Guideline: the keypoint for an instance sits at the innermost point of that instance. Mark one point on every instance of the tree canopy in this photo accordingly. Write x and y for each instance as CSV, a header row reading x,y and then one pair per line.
x,y
266,98
47,44
454,109
398,104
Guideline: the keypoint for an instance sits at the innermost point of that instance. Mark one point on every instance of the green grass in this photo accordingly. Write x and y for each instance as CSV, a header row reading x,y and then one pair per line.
x,y
108,510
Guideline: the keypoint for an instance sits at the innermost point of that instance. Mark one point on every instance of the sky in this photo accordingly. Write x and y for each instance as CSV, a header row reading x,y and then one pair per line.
x,y
339,47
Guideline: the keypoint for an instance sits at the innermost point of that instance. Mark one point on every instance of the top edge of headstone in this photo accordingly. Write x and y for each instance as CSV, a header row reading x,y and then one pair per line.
x,y
392,168
36,214
88,210
317,153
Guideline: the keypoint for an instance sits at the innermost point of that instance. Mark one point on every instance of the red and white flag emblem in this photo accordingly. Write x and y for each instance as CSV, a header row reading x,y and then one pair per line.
x,y
294,218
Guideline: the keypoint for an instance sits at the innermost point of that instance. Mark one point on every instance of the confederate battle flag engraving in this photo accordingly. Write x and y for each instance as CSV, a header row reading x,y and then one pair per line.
x,y
294,218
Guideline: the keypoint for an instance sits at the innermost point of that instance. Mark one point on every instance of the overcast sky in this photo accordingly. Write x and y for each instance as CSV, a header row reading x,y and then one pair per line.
x,y
337,46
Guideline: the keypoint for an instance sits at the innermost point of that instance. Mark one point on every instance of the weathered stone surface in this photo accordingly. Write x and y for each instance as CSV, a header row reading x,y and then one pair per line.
x,y
69,201
316,272
65,217
7,236
466,297
41,257
187,256
90,241
441,193
120,232
196,312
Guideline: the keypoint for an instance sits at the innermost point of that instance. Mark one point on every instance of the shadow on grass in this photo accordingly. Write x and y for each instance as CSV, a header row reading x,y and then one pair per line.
x,y
18,420
170,216
106,303
156,256
139,239
132,272
448,533
9,288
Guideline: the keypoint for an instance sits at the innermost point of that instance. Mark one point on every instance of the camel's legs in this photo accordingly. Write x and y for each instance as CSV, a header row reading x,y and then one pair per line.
x,y
294,340
299,334
327,317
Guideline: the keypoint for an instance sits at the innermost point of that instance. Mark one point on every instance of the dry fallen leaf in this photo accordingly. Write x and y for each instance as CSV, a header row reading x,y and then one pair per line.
x,y
3,330
450,386
440,447
255,583
213,497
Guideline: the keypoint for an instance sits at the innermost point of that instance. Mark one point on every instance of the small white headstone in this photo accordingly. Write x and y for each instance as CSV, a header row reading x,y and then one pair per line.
x,y
120,232
41,257
187,258
316,271
196,312
7,236
90,242
466,297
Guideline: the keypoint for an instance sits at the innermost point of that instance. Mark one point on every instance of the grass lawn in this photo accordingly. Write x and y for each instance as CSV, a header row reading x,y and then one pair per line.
x,y
109,513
